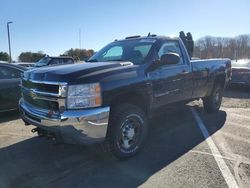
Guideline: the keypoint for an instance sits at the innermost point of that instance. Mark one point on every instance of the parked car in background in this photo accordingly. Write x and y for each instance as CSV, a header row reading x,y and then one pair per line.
x,y
241,72
49,61
10,91
25,64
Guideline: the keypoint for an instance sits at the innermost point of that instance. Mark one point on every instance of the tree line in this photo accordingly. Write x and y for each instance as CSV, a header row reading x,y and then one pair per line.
x,y
4,56
221,47
77,54
205,47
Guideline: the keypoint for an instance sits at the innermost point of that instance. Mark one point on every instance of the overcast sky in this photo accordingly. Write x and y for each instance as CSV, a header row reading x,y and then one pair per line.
x,y
52,26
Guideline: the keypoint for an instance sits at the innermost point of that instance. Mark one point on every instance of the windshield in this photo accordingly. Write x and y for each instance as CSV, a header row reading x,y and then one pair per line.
x,y
134,51
43,62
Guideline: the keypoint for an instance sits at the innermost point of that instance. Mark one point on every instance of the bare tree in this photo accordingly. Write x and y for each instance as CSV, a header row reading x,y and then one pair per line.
x,y
220,47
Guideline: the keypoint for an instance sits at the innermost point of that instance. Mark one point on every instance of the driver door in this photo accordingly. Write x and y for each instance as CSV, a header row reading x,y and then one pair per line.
x,y
168,79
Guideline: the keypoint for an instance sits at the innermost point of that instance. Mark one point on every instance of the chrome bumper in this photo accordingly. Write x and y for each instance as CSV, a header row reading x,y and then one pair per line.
x,y
75,126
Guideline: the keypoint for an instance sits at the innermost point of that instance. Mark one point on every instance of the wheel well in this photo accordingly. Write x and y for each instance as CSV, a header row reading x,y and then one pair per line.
x,y
220,79
131,98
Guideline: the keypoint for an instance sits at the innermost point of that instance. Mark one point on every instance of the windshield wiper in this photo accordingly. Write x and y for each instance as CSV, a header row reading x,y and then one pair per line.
x,y
116,60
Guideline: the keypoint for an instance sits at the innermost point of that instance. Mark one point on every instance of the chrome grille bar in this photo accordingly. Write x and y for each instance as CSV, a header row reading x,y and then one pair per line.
x,y
35,91
41,93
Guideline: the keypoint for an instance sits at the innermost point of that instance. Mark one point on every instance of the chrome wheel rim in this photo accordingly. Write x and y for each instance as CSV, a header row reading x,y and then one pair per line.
x,y
130,133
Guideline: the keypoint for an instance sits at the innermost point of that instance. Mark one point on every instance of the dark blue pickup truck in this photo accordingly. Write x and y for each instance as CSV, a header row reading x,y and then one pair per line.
x,y
111,97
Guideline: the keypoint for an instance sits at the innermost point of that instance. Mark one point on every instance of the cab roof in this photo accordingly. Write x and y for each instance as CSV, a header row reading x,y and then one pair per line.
x,y
155,37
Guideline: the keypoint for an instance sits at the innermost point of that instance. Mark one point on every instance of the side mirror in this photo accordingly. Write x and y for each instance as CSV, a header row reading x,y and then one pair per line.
x,y
169,59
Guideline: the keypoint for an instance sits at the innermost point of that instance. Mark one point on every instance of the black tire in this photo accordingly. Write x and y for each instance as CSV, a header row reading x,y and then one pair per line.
x,y
212,103
128,127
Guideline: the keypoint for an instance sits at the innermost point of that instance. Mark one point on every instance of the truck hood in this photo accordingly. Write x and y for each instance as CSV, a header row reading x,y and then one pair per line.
x,y
72,74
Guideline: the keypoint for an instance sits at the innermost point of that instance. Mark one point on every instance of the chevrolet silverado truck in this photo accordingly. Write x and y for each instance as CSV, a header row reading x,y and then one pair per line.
x,y
110,98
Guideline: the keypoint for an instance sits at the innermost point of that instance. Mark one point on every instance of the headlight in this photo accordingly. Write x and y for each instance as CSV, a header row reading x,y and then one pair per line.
x,y
84,96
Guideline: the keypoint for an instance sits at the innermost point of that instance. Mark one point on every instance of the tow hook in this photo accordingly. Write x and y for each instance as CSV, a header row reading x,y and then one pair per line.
x,y
39,131
34,130
50,135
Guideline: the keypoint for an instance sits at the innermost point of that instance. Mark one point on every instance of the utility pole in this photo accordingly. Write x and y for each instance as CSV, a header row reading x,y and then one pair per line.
x,y
10,60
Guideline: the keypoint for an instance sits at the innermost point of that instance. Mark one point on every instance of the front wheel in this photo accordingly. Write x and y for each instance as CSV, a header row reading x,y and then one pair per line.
x,y
212,103
127,130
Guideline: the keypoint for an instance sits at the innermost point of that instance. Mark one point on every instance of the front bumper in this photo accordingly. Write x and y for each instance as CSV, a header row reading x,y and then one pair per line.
x,y
75,126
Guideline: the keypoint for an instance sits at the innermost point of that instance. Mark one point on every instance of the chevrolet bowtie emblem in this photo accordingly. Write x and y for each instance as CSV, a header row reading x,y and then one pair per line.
x,y
50,113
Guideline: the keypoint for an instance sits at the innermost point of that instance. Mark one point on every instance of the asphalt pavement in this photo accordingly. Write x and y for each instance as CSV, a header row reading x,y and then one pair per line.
x,y
176,153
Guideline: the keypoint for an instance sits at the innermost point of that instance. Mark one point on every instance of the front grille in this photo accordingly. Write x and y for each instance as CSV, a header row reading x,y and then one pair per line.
x,y
50,88
42,95
43,104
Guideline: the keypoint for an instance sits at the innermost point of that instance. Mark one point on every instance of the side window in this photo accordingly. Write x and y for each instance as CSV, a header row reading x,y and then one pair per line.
x,y
55,61
9,73
144,49
113,53
68,61
171,46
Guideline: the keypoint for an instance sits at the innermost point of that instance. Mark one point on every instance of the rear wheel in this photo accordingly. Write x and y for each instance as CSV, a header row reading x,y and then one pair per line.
x,y
212,103
127,130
